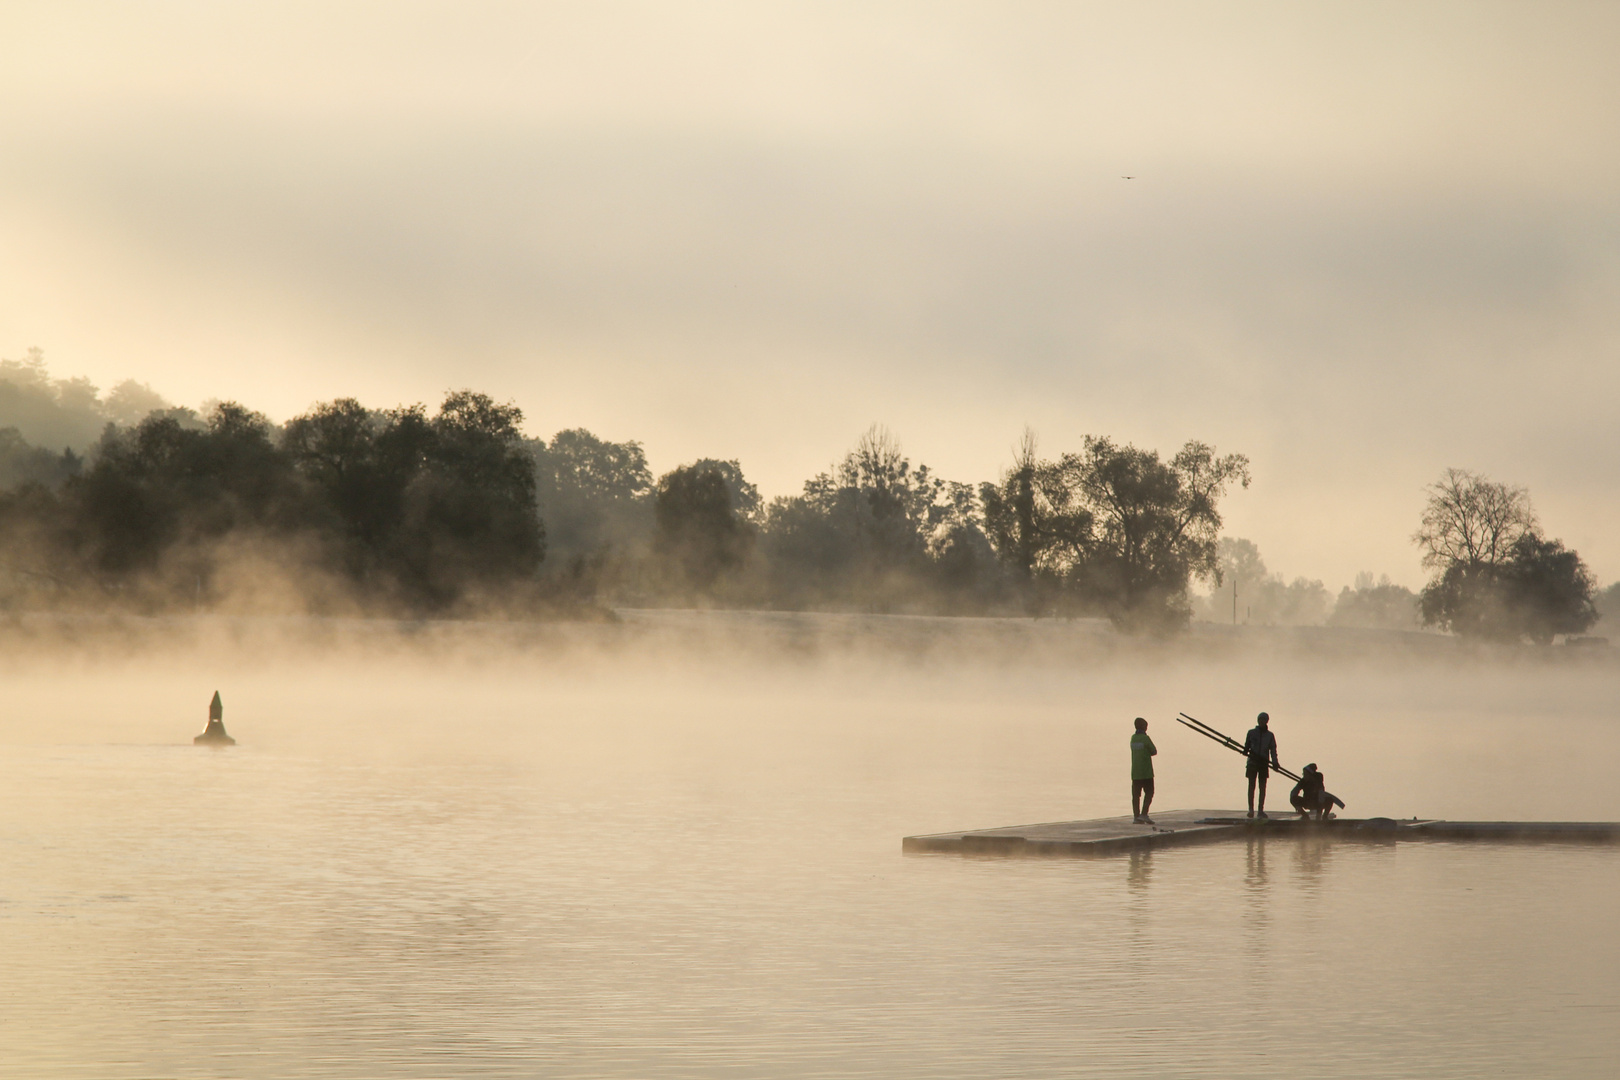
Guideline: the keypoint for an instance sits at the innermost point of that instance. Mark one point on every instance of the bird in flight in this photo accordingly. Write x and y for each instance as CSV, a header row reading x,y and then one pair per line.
x,y
1127,178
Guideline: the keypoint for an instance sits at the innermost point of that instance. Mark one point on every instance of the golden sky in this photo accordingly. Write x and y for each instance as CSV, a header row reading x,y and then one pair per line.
x,y
1361,242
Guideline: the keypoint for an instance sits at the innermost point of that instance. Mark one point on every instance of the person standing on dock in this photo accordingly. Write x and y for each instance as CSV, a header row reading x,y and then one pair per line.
x,y
1260,745
1142,752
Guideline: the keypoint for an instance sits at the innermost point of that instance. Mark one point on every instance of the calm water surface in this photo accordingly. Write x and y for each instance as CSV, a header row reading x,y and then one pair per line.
x,y
637,866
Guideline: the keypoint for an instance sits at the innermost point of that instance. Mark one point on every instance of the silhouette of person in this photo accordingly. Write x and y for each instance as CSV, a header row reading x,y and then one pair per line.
x,y
1142,752
1261,747
1310,795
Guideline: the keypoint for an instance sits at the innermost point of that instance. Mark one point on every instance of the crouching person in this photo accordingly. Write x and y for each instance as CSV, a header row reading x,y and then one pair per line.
x,y
1311,797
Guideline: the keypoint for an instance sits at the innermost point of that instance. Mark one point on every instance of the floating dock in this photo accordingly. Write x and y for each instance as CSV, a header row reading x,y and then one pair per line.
x,y
1175,828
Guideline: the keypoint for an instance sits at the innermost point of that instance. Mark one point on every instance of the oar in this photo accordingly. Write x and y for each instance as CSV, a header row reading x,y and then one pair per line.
x,y
1225,740
1208,732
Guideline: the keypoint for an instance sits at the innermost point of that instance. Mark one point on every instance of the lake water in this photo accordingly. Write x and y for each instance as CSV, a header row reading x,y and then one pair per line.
x,y
672,848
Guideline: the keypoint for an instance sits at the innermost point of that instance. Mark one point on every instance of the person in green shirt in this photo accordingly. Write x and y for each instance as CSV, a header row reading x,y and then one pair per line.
x,y
1142,751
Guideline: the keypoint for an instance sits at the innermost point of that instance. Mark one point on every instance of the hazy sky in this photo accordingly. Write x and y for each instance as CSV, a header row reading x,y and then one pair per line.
x,y
1362,243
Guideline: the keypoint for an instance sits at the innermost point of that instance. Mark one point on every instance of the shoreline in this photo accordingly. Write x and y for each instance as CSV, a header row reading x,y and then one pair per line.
x,y
745,635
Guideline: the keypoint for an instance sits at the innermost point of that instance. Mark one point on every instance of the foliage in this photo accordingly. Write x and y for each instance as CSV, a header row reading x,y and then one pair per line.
x,y
1157,524
21,463
1129,531
470,521
1472,521
1550,590
411,511
1539,590
1498,578
596,499
1606,602
1380,605
429,509
166,490
870,531
745,498
1233,592
398,509
1039,524
1112,528
67,413
700,533
1262,597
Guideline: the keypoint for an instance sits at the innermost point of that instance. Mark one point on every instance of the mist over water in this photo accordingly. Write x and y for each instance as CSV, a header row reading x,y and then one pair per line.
x,y
670,847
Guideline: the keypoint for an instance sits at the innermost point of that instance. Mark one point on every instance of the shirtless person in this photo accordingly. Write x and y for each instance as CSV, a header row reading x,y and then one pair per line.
x,y
1260,745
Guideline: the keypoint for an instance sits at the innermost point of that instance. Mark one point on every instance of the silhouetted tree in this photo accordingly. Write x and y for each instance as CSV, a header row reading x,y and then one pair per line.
x,y
69,413
427,512
596,498
429,508
34,559
700,535
162,487
969,575
1472,521
1265,598
469,515
46,411
1010,510
1380,605
334,441
1156,526
745,498
21,463
1551,589
1498,578
1112,529
864,533
1607,604
1037,524
1240,572
337,445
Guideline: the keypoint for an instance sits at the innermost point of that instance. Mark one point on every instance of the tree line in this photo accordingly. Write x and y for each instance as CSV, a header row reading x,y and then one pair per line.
x,y
1495,576
403,511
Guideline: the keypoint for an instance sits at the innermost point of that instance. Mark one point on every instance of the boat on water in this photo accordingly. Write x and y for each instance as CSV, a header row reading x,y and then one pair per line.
x,y
214,734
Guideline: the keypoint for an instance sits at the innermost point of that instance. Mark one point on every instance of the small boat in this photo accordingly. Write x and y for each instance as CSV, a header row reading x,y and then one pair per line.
x,y
215,733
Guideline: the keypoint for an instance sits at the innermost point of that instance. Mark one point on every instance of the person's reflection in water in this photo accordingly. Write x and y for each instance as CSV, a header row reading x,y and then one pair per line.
x,y
1255,869
1311,855
1140,938
1257,916
1139,873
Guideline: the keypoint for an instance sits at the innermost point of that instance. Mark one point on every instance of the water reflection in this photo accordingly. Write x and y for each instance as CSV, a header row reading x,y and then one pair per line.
x,y
1254,875
1139,872
1257,930
1311,857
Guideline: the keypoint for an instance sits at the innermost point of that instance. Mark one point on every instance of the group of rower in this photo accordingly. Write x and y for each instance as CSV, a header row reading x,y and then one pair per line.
x,y
1310,797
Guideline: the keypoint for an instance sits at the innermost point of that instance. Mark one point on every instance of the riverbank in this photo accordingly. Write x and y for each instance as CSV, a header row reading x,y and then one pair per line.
x,y
658,635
